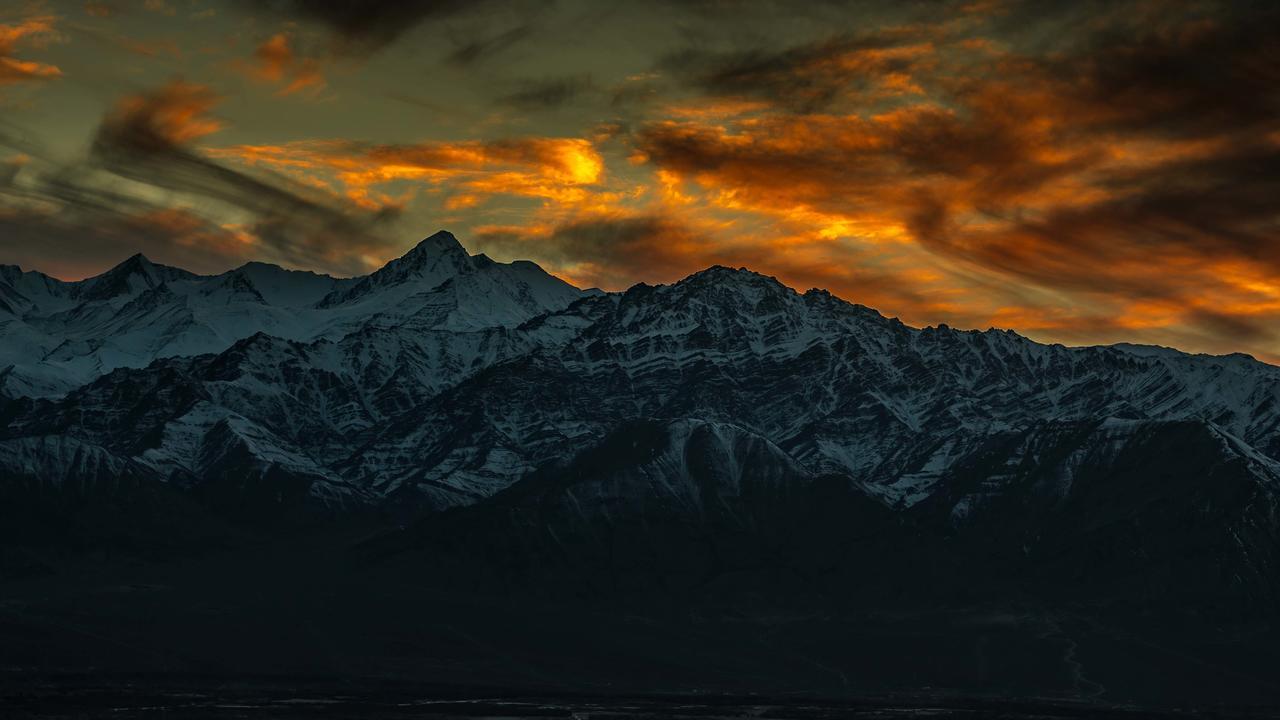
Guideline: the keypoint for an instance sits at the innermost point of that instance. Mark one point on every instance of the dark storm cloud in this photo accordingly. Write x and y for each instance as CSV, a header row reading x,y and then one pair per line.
x,y
616,251
1200,77
548,93
804,78
368,25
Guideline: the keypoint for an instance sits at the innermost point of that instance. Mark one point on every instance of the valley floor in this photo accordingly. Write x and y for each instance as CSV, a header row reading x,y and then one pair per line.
x,y
257,698
304,627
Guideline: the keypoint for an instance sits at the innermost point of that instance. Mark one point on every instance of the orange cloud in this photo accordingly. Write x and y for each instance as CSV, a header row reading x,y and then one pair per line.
x,y
615,247
1122,191
277,62
35,31
173,115
460,202
553,169
96,8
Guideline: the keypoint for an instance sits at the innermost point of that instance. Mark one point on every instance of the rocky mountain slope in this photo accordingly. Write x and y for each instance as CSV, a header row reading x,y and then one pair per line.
x,y
444,378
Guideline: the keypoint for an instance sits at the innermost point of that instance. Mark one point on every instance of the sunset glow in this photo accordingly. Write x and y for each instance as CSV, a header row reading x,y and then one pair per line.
x,y
1079,172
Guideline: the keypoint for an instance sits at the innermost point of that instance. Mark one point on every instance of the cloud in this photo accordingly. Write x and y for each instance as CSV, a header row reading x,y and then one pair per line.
x,y
481,49
146,139
276,61
867,177
609,251
143,48
1087,172
1183,250
615,247
97,8
159,6
35,31
811,76
1171,205
549,93
163,119
317,204
363,27
550,168
145,174
87,240
1181,76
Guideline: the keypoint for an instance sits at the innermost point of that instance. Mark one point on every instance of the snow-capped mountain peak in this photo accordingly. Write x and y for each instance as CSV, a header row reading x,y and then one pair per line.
x,y
134,275
431,262
440,253
438,244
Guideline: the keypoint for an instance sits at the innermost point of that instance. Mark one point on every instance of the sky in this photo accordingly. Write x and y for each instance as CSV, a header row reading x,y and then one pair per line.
x,y
1084,172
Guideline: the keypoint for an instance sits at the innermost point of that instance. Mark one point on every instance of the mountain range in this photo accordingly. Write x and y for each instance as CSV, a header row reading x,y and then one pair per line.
x,y
448,377
723,437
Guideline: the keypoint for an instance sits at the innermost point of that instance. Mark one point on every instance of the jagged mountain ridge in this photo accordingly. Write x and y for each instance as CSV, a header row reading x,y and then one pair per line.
x,y
64,334
445,378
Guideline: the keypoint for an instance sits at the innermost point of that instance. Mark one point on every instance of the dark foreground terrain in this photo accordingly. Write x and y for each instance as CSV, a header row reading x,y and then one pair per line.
x,y
347,622
131,697
599,587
